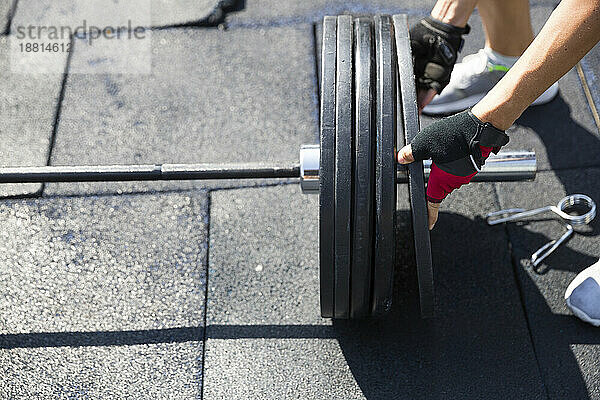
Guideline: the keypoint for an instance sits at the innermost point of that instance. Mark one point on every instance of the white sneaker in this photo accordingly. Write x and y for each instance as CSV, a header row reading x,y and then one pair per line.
x,y
470,81
583,295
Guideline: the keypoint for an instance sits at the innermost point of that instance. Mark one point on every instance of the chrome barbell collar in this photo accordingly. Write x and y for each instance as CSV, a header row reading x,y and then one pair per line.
x,y
309,168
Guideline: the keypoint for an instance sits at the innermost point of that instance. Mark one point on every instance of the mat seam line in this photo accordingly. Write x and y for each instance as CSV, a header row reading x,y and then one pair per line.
x,y
11,14
149,192
522,298
316,15
588,94
59,107
208,215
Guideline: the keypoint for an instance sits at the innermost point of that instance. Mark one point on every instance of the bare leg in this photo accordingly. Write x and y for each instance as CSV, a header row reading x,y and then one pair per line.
x,y
507,25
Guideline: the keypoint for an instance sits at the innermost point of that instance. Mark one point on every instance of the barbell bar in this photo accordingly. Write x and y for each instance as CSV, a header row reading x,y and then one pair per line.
x,y
502,167
367,112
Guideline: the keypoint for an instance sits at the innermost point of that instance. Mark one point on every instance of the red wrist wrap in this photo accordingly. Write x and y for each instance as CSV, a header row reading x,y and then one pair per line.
x,y
441,183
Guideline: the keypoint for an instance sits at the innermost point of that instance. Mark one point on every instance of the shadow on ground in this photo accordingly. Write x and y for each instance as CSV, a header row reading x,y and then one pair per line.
x,y
567,143
477,346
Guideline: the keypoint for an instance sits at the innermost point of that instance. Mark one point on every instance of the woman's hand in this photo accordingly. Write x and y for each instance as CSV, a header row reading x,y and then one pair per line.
x,y
458,146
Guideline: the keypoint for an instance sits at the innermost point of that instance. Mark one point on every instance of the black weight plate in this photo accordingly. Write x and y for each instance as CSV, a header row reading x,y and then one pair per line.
x,y
362,207
343,166
327,167
416,180
385,166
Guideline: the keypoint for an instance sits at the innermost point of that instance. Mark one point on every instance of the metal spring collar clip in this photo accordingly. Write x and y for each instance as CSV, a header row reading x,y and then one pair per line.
x,y
514,214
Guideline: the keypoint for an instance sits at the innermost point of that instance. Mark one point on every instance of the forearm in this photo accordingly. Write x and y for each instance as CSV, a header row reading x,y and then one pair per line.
x,y
570,32
453,12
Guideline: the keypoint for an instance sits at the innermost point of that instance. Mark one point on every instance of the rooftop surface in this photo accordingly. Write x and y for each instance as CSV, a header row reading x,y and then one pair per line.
x,y
210,290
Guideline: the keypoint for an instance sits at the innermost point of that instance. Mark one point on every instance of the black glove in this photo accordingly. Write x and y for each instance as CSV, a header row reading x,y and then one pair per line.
x,y
456,143
435,47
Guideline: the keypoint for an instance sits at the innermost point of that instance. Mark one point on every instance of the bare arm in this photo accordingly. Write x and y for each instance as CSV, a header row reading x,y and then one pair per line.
x,y
453,12
570,32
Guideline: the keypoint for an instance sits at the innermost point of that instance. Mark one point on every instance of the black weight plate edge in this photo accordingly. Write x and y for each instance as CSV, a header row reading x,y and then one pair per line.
x,y
416,180
362,207
343,167
385,168
327,167
400,137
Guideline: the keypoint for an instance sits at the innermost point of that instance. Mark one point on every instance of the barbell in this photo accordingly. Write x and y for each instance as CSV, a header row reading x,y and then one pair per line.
x,y
368,110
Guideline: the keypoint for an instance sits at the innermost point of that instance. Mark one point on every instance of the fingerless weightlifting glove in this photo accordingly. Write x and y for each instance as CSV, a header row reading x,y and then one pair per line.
x,y
458,146
435,47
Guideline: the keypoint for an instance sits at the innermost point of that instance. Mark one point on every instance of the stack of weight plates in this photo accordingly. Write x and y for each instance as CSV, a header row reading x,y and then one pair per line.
x,y
365,115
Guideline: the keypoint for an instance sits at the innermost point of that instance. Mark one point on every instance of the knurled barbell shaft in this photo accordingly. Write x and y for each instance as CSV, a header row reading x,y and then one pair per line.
x,y
151,172
504,166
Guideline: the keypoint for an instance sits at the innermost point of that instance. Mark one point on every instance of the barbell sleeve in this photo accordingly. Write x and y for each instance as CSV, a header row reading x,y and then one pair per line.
x,y
505,166
502,167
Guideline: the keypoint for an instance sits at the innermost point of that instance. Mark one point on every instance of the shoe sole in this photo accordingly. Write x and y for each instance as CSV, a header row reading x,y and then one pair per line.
x,y
467,102
581,315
